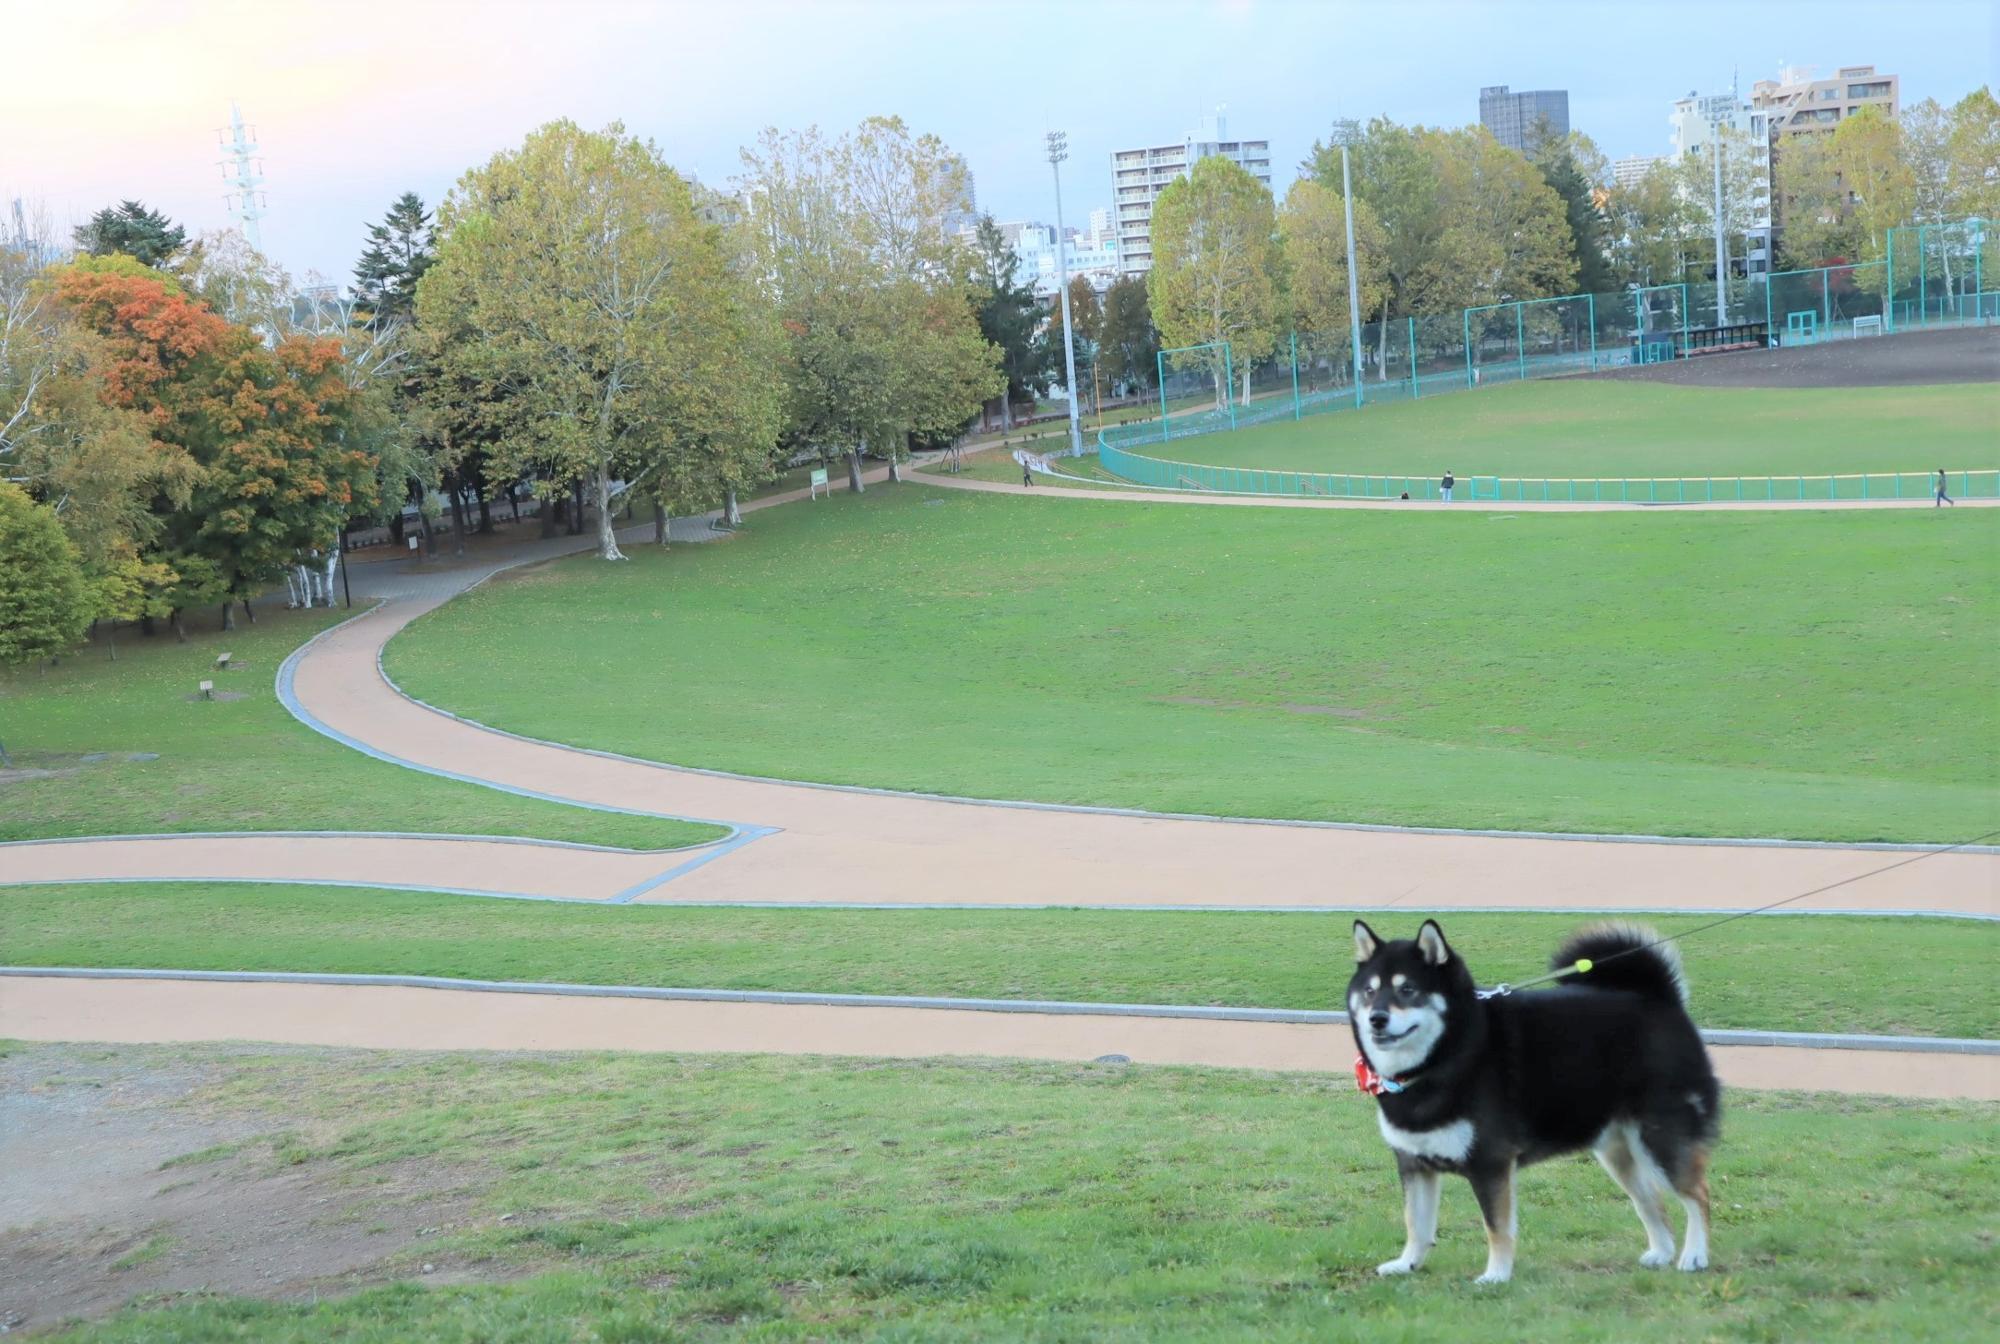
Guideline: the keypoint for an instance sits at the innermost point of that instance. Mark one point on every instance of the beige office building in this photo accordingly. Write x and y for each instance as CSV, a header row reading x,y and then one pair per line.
x,y
1797,103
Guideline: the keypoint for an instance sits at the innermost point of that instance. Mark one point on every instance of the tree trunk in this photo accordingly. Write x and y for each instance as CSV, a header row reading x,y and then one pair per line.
x,y
1007,412
607,535
514,503
895,470
548,516
732,516
457,522
111,639
396,530
576,510
180,631
854,471
1246,387
659,523
228,616
146,626
249,611
485,513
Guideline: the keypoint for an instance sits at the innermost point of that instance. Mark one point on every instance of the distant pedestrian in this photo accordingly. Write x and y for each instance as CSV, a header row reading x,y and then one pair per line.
x,y
1445,485
1942,498
1027,473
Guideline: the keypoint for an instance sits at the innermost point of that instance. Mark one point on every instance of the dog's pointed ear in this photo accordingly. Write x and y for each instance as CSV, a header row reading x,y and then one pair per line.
x,y
1430,941
1365,941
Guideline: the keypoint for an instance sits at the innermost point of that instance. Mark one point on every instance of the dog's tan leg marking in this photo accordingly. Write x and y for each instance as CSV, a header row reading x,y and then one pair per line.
x,y
1614,1151
1692,1187
1496,1206
1420,1221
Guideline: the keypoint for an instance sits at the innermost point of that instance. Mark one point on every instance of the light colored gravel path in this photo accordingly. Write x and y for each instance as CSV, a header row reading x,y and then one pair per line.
x,y
1143,494
163,1011
807,844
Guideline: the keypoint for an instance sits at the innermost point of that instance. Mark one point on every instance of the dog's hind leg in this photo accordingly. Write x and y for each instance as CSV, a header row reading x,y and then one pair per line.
x,y
1420,1218
1494,1188
1691,1184
1615,1149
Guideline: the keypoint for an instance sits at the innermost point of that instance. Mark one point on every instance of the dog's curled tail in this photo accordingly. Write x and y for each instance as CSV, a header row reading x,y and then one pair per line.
x,y
1628,957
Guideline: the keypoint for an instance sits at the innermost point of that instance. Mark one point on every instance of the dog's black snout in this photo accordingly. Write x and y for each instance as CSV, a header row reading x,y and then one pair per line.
x,y
1379,1021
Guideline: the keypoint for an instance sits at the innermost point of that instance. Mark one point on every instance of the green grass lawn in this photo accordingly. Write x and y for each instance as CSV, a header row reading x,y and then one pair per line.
x,y
1813,674
1595,428
237,765
630,1198
1770,973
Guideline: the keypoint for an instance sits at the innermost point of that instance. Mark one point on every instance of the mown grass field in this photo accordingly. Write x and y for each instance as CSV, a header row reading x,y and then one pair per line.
x,y
629,1198
1815,674
236,764
1762,974
1592,428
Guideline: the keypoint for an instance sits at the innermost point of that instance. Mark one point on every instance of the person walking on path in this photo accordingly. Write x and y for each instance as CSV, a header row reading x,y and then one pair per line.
x,y
1445,485
1942,498
1027,472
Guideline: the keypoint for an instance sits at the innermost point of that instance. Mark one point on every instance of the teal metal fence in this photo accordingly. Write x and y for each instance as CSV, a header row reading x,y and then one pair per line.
x,y
1159,473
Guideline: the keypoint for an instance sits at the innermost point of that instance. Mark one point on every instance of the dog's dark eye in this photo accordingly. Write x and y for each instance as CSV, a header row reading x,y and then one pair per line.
x,y
1407,991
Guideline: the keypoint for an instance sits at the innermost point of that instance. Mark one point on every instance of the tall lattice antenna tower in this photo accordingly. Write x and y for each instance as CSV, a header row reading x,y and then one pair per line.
x,y
243,172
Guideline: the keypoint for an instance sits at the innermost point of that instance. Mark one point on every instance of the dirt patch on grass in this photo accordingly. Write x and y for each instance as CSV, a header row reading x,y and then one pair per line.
x,y
1913,359
117,1183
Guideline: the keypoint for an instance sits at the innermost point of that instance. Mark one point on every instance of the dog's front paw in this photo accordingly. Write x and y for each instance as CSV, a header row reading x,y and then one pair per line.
x,y
1655,1259
1495,1276
1402,1264
1692,1260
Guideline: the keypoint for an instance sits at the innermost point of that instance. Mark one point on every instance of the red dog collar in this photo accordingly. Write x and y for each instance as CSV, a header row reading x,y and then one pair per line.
x,y
1371,1082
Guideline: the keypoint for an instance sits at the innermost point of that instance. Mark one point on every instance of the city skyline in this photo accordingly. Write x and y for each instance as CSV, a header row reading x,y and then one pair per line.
x,y
387,99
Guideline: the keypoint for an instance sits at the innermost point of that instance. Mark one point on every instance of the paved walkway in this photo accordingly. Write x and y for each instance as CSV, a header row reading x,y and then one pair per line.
x,y
805,844
399,1018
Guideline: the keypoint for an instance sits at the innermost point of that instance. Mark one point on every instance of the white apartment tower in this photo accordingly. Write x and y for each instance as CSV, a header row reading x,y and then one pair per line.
x,y
1694,126
1138,176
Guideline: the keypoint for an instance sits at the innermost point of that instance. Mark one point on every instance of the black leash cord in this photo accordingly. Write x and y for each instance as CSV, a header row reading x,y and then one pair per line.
x,y
1585,967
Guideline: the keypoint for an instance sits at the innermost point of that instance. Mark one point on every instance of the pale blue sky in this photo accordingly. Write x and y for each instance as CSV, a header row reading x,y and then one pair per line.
x,y
358,101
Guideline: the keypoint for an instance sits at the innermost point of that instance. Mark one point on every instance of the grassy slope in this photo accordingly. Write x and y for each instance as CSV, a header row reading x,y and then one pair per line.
x,y
1767,974
653,1198
238,765
1810,675
1568,427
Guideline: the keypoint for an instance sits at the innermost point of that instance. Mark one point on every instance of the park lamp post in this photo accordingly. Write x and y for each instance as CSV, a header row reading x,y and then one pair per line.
x,y
1058,151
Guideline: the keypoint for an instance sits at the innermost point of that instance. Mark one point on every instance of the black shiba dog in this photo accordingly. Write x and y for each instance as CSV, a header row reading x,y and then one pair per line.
x,y
1607,1060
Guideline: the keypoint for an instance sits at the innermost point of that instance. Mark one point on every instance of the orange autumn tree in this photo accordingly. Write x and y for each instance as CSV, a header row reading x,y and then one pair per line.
x,y
269,432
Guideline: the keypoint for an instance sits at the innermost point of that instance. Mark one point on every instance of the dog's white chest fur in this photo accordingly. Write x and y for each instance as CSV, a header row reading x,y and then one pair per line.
x,y
1446,1143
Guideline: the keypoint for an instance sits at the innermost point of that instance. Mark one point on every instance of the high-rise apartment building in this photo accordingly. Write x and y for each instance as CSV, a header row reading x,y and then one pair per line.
x,y
1631,170
1796,103
1516,119
1138,176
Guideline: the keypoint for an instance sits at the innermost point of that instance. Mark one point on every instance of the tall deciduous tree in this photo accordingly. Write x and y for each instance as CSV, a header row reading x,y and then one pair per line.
x,y
1128,343
1653,227
45,605
147,236
1396,177
1213,257
1312,238
575,265
264,429
877,302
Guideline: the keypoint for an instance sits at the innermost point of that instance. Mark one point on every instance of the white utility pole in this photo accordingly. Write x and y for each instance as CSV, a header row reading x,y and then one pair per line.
x,y
1058,151
1353,273
1721,246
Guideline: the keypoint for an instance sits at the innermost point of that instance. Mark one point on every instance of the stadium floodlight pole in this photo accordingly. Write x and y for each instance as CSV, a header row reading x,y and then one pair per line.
x,y
1721,247
1058,151
1353,275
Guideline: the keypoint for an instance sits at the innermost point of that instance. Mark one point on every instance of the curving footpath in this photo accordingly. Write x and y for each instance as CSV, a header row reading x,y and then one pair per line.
x,y
804,844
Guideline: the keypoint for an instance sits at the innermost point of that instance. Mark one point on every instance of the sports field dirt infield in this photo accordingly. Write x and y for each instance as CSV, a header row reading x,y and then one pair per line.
x,y
1913,359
